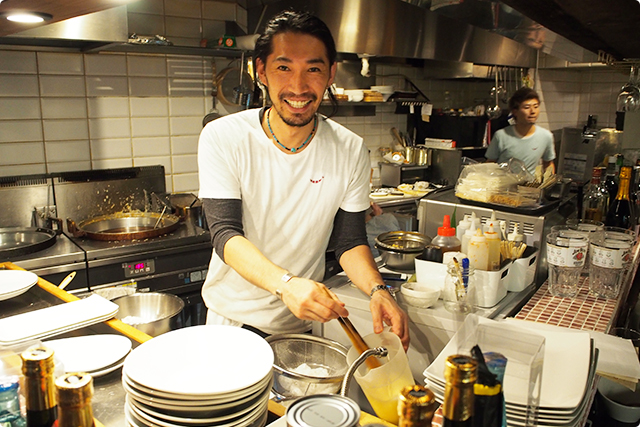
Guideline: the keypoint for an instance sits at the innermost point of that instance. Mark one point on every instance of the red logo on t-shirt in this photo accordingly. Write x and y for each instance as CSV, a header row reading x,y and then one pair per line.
x,y
316,181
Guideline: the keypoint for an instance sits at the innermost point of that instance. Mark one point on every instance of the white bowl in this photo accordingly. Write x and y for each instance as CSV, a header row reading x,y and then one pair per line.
x,y
621,403
421,295
383,89
355,95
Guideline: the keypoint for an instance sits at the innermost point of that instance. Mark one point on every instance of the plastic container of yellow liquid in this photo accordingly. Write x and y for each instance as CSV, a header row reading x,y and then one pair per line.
x,y
382,385
478,251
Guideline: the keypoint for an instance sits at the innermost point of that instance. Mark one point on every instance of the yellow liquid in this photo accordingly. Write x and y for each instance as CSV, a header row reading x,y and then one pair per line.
x,y
384,399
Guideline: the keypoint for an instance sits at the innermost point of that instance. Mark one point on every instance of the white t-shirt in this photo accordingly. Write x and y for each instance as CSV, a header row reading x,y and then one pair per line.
x,y
288,206
506,143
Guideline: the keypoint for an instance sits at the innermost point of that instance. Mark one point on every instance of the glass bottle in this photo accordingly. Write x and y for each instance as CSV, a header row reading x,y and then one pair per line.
x,y
416,406
460,374
595,200
10,415
621,212
37,368
634,193
74,392
610,181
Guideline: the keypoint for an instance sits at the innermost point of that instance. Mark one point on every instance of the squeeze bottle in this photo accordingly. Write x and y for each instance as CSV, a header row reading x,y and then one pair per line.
x,y
446,237
478,251
491,221
493,241
463,226
475,223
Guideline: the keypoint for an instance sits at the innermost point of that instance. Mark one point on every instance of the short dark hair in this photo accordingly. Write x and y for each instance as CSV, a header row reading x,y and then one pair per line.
x,y
301,23
521,95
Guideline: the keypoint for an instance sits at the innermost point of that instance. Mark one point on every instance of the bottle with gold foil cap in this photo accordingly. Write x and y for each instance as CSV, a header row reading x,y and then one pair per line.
x,y
74,392
460,374
37,368
416,406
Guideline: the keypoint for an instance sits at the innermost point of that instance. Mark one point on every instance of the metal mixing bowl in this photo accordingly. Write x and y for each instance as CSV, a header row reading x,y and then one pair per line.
x,y
293,351
153,313
399,249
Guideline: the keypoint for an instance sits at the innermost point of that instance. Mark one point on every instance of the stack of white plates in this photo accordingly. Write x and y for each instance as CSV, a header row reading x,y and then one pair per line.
x,y
15,282
569,368
199,376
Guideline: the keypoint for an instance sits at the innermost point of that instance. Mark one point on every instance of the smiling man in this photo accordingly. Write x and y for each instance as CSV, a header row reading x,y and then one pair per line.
x,y
524,140
279,185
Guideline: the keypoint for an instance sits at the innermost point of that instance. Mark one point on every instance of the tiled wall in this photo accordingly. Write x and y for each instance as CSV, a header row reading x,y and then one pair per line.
x,y
74,111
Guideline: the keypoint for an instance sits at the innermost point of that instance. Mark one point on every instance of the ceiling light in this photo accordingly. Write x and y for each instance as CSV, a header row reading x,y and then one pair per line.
x,y
28,17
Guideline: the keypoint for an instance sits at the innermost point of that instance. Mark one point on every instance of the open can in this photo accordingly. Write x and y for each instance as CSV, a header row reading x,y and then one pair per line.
x,y
323,410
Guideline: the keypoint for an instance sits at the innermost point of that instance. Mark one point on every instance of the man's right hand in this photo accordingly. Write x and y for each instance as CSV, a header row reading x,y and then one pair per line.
x,y
309,300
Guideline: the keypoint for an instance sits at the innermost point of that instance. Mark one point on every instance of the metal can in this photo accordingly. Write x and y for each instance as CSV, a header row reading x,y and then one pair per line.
x,y
323,410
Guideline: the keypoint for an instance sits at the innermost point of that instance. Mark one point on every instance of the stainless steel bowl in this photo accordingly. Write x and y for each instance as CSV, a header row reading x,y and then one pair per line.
x,y
292,352
153,313
399,249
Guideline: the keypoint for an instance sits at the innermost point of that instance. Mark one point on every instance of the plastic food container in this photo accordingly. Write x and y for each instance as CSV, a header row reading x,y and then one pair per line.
x,y
491,286
523,270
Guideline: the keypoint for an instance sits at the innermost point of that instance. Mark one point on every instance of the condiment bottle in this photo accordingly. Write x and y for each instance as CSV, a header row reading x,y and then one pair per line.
x,y
446,237
463,226
416,406
74,392
493,221
478,251
37,368
464,247
493,241
460,375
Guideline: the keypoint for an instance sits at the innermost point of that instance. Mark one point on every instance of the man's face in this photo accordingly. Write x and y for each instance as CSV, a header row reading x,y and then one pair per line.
x,y
528,112
296,74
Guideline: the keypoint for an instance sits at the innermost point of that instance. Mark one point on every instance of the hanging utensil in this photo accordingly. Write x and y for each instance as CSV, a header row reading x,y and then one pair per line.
x,y
213,114
494,111
65,282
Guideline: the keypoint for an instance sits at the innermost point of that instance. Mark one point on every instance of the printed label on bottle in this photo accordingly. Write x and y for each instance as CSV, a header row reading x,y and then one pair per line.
x,y
566,256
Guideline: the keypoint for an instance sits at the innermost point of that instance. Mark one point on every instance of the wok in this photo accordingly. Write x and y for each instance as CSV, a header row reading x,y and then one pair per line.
x,y
17,241
124,226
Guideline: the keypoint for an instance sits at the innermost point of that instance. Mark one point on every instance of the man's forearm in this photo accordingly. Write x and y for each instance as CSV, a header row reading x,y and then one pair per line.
x,y
361,268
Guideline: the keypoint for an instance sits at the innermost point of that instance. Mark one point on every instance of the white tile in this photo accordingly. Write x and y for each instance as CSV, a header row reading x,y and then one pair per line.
x,y
189,87
67,151
148,86
60,130
149,126
147,66
108,107
20,153
182,27
68,166
18,62
186,67
105,65
19,108
112,163
185,164
114,148
60,63
184,8
187,182
19,85
152,161
184,144
62,86
20,130
186,125
109,128
222,11
168,183
107,86
149,107
64,108
186,106
32,169
155,146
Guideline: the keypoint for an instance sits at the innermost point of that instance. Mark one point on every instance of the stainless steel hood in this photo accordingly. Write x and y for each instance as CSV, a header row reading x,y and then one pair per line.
x,y
394,28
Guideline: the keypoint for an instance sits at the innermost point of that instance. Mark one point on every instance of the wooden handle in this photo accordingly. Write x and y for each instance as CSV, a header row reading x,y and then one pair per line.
x,y
355,338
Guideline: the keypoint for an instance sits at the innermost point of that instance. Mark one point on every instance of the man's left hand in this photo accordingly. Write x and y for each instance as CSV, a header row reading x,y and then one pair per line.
x,y
385,311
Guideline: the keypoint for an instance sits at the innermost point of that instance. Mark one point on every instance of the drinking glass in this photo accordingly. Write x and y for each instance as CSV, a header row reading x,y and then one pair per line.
x,y
592,229
629,96
608,265
566,252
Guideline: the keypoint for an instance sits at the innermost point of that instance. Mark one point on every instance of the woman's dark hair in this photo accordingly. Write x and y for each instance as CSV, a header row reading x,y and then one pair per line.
x,y
296,22
521,95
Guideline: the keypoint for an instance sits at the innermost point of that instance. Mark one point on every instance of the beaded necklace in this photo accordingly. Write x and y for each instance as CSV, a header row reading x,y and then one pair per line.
x,y
292,150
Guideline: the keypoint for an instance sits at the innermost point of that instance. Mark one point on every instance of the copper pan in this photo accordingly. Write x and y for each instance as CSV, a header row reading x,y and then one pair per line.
x,y
124,226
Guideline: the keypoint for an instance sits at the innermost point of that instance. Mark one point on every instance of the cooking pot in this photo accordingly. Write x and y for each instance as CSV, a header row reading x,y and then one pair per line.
x,y
124,226
188,207
17,241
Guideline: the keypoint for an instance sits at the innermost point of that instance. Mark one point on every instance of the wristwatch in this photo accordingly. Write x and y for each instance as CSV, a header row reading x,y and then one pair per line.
x,y
378,288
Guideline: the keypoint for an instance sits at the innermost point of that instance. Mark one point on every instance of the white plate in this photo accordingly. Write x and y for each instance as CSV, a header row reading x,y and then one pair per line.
x,y
207,360
54,320
567,355
90,353
15,282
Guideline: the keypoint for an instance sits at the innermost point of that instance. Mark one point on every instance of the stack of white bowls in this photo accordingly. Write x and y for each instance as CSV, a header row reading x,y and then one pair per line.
x,y
199,376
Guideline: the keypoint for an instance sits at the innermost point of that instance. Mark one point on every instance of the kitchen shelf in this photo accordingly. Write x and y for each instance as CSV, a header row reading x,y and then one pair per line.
x,y
167,50
352,109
